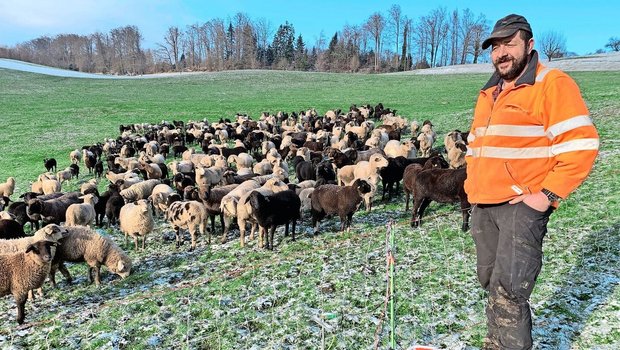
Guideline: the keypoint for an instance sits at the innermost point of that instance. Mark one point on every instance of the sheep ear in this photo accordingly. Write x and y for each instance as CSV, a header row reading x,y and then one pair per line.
x,y
120,266
32,248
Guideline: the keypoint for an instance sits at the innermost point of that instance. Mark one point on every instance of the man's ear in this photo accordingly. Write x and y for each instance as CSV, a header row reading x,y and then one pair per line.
x,y
530,45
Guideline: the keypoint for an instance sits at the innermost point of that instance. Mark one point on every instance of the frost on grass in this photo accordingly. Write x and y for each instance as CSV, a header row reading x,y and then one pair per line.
x,y
328,291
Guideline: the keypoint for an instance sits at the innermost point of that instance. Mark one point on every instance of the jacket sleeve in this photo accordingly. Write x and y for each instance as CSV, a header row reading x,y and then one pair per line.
x,y
574,139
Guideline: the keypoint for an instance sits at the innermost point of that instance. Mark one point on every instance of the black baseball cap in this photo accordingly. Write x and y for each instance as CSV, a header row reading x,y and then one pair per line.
x,y
506,27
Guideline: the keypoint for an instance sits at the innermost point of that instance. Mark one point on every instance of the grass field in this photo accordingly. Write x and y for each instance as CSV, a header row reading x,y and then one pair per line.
x,y
321,292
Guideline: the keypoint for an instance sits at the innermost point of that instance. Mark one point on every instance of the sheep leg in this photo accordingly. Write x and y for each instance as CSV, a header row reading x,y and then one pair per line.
x,y
177,233
465,210
415,219
241,223
65,273
97,273
20,300
293,233
349,220
423,206
143,242
272,231
406,201
226,226
135,242
192,233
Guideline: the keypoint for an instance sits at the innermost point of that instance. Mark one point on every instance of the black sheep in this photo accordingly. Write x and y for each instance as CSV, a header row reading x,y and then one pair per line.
x,y
11,229
75,169
50,164
333,199
443,186
277,209
114,203
393,172
99,169
305,170
325,173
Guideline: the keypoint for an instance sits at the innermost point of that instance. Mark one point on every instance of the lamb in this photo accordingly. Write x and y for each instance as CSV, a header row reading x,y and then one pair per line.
x,y
89,160
244,210
83,244
277,209
333,199
456,155
451,138
394,148
114,204
52,210
140,190
159,197
82,214
426,143
25,271
7,188
136,221
305,196
75,156
64,175
190,215
363,169
50,164
443,186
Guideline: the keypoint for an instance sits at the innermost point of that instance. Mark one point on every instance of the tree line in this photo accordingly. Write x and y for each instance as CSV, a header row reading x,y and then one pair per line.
x,y
382,43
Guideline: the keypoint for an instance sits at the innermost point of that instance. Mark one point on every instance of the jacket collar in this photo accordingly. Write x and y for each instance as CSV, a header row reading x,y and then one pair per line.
x,y
528,77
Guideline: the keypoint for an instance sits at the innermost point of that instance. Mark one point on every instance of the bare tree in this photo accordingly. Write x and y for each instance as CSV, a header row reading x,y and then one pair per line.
x,y
552,44
375,26
395,21
170,50
614,44
479,31
454,37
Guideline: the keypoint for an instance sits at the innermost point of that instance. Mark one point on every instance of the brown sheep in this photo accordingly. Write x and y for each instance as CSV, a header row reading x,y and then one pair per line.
x,y
342,200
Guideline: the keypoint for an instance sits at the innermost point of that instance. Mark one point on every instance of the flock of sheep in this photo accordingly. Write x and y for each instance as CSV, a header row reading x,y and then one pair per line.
x,y
267,172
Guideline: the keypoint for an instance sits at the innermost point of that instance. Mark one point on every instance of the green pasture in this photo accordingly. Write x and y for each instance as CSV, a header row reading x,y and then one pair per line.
x,y
324,292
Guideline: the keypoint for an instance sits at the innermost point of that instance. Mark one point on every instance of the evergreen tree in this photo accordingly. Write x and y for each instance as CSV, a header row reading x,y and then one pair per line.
x,y
283,41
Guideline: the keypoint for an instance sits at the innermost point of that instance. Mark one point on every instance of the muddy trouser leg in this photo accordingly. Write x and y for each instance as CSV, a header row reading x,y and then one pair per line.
x,y
485,233
518,261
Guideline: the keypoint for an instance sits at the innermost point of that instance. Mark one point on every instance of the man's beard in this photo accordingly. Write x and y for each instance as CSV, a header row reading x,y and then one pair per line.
x,y
518,65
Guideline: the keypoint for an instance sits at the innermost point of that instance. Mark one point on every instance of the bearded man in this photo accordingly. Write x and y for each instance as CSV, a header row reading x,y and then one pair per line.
x,y
531,143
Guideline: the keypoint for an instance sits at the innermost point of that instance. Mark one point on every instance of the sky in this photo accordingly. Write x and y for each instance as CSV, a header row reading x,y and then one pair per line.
x,y
586,25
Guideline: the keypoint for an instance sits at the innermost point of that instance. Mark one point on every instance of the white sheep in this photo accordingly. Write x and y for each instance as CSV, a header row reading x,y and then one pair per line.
x,y
159,197
426,143
64,175
361,170
136,220
140,190
263,167
7,188
181,167
75,156
394,148
208,177
456,155
82,214
46,186
83,244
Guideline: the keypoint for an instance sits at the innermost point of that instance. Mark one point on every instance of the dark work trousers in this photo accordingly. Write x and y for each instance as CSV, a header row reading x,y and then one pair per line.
x,y
508,241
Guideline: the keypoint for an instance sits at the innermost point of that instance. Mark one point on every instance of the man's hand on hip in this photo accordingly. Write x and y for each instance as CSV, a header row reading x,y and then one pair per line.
x,y
537,201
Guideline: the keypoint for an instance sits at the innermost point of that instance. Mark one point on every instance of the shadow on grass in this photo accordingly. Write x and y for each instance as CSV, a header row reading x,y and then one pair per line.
x,y
561,319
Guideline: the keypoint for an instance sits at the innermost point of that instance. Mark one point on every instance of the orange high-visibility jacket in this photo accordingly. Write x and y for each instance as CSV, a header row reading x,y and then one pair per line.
x,y
535,135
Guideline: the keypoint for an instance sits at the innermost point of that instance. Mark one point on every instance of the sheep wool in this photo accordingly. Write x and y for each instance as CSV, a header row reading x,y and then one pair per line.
x,y
83,244
136,220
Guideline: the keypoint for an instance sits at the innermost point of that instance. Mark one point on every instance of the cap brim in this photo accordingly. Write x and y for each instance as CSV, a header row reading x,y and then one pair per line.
x,y
500,34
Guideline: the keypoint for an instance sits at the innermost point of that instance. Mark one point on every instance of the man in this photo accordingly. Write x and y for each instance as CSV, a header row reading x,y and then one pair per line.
x,y
531,143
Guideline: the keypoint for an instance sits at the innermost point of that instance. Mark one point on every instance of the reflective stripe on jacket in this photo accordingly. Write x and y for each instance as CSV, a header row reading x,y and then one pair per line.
x,y
537,134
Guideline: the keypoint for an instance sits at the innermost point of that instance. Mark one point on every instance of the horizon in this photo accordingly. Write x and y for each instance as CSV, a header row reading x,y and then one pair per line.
x,y
585,28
